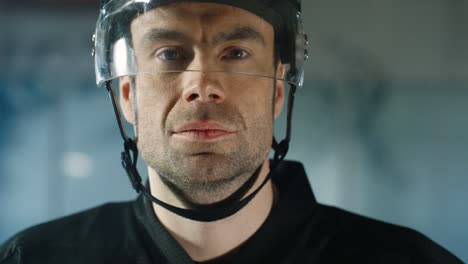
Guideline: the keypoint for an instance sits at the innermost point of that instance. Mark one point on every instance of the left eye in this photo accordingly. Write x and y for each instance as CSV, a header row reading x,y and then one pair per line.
x,y
236,53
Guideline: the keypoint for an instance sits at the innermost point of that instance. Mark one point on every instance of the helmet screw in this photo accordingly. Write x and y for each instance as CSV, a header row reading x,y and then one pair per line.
x,y
306,39
306,54
93,39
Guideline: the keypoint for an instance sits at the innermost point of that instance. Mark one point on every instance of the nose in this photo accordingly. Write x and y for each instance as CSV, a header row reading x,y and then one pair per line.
x,y
203,87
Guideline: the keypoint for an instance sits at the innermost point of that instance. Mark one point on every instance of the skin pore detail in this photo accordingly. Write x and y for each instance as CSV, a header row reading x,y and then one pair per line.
x,y
205,131
205,171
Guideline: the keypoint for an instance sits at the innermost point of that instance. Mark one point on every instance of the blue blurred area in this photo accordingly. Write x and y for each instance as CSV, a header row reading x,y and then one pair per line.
x,y
381,124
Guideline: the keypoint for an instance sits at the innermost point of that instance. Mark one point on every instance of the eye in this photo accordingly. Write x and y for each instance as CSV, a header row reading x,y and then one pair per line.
x,y
170,54
236,54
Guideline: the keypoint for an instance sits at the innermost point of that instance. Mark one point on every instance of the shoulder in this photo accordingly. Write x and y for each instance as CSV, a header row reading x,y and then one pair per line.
x,y
365,238
86,229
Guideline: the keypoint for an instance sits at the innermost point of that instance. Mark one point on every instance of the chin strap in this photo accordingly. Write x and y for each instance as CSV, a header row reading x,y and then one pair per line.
x,y
212,212
281,149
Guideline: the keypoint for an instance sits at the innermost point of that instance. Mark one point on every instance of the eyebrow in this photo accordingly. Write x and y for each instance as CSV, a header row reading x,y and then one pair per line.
x,y
158,34
239,33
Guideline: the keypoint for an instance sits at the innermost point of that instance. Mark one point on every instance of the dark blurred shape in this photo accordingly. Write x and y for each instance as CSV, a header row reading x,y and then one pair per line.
x,y
50,3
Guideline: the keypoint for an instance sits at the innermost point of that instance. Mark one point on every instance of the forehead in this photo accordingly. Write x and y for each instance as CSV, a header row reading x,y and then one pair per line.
x,y
193,18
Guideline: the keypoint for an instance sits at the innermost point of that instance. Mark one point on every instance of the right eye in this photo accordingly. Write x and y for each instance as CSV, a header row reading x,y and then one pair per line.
x,y
171,54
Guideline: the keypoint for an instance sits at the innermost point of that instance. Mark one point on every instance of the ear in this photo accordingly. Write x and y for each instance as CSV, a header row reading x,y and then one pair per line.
x,y
126,98
279,94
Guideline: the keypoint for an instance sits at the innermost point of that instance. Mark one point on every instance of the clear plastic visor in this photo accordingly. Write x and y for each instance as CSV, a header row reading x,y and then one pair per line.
x,y
136,37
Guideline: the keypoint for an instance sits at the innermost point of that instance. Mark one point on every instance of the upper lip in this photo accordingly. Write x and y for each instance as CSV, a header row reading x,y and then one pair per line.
x,y
203,125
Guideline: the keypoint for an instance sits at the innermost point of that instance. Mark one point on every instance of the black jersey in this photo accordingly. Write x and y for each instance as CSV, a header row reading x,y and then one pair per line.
x,y
298,230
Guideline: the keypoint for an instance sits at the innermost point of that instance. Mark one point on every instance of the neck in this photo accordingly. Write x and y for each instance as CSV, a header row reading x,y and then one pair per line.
x,y
209,240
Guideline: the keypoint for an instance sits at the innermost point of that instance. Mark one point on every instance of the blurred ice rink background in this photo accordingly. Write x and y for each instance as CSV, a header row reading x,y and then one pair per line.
x,y
381,123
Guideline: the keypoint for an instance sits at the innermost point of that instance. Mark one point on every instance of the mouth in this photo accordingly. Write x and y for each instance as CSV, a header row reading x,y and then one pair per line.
x,y
203,131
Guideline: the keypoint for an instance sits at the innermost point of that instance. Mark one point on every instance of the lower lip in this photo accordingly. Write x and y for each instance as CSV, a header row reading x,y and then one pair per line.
x,y
203,135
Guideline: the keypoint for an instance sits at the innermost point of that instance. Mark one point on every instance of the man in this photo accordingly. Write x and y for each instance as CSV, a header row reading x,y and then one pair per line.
x,y
202,82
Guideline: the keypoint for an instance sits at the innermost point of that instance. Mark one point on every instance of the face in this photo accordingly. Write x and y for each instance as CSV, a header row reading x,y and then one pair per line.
x,y
202,130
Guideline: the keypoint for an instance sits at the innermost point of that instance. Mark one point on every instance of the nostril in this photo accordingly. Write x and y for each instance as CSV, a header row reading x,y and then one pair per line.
x,y
214,96
193,96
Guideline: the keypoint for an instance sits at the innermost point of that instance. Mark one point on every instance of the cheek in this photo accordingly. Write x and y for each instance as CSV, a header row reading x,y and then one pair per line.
x,y
156,96
154,103
257,97
259,129
257,109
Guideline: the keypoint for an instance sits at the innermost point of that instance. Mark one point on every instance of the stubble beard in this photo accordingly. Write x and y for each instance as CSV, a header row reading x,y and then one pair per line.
x,y
208,178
